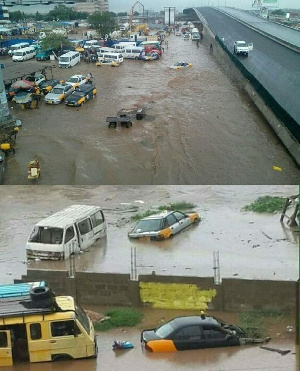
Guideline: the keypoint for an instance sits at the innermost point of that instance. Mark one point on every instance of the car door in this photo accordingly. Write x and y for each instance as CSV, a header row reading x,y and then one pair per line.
x,y
188,337
86,233
172,223
216,337
5,348
71,243
68,90
183,220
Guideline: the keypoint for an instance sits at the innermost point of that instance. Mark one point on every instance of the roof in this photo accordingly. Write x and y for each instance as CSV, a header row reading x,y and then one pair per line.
x,y
68,216
163,214
19,289
192,320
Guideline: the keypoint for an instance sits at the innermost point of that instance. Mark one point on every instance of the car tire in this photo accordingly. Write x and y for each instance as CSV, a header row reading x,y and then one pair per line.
x,y
40,293
128,124
196,221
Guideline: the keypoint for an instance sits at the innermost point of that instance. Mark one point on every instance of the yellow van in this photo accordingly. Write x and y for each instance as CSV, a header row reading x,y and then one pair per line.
x,y
37,326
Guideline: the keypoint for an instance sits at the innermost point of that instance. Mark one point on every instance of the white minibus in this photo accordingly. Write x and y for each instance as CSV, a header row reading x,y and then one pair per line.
x,y
69,59
90,43
122,45
66,232
133,52
16,47
24,54
117,57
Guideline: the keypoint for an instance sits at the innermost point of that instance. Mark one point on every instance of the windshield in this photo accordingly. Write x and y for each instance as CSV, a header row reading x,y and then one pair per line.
x,y
18,53
165,330
82,317
73,80
57,91
149,225
242,44
52,236
64,59
76,95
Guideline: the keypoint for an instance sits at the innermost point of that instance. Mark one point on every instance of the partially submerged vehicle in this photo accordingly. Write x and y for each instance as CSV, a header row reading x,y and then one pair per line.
x,y
125,116
37,326
66,232
34,169
195,332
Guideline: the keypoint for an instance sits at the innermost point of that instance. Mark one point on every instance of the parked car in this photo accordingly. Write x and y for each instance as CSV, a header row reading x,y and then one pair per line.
x,y
194,332
59,93
163,225
149,56
186,36
180,65
81,95
36,78
48,85
178,33
77,80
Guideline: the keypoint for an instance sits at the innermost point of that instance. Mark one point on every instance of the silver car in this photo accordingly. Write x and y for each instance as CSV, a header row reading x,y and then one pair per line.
x,y
59,93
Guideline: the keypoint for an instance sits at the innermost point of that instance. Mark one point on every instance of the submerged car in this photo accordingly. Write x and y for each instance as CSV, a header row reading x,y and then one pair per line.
x,y
179,65
194,332
48,85
81,95
77,80
163,225
59,93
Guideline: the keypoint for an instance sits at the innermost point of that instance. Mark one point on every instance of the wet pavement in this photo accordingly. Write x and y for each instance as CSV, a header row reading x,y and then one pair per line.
x,y
200,128
250,245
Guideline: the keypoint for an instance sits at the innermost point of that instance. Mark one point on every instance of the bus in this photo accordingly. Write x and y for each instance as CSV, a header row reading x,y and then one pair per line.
x,y
195,34
66,232
37,326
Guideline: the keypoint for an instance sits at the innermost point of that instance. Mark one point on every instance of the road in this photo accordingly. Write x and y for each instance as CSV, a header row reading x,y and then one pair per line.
x,y
276,67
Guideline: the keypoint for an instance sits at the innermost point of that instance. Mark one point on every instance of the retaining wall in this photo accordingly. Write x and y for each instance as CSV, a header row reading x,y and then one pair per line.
x,y
170,292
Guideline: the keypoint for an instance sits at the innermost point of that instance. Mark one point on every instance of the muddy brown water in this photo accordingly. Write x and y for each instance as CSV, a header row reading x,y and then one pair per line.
x,y
200,128
250,245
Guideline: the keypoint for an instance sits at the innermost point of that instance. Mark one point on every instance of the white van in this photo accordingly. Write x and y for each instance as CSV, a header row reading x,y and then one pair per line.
x,y
90,44
133,52
69,59
24,54
117,57
122,45
105,49
66,232
16,47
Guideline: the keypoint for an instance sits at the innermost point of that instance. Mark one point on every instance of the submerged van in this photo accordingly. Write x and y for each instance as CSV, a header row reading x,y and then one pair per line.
x,y
37,326
69,59
112,56
16,47
24,54
66,232
133,52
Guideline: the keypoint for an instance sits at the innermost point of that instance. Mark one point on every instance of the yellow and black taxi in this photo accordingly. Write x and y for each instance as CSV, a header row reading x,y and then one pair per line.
x,y
48,85
181,65
194,332
163,225
59,93
77,80
81,95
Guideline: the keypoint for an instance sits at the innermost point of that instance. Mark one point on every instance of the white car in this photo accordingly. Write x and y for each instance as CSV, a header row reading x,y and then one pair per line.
x,y
180,65
77,80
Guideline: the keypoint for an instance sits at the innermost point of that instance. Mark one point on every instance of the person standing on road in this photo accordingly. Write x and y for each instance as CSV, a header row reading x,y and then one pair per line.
x,y
167,44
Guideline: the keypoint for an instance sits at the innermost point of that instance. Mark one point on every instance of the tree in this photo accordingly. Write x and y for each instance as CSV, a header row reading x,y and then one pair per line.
x,y
38,16
16,16
122,14
103,23
55,41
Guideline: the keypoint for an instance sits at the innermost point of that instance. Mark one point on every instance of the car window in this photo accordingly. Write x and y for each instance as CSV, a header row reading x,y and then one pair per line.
x,y
188,332
170,220
178,215
165,330
149,225
214,333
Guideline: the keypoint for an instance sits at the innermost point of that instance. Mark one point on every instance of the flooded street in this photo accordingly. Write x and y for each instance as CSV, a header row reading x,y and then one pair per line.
x,y
199,129
250,245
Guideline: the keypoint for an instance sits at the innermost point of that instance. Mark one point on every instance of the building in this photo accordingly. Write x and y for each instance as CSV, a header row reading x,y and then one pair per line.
x,y
92,6
4,16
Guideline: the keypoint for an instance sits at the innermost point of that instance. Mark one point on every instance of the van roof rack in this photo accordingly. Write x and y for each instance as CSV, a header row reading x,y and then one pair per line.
x,y
19,289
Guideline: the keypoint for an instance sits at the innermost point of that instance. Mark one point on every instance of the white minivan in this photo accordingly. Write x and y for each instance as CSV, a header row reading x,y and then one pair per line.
x,y
133,52
66,232
15,47
117,57
24,54
69,59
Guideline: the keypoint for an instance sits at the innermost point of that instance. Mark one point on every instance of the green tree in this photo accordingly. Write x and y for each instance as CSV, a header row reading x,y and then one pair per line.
x,y
56,41
103,23
16,16
38,16
122,14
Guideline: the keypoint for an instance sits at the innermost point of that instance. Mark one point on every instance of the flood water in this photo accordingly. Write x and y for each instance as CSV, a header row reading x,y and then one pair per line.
x,y
250,245
200,128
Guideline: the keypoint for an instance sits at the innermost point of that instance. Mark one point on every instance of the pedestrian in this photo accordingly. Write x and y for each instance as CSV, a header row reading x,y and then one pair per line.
x,y
211,48
167,44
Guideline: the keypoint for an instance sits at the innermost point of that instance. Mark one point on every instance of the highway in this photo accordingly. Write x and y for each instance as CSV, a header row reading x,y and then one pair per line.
x,y
274,65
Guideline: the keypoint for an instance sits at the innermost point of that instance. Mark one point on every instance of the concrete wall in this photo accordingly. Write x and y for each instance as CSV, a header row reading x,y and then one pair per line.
x,y
170,292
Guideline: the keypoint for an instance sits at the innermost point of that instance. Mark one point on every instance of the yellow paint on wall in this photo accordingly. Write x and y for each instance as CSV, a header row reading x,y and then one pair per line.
x,y
175,295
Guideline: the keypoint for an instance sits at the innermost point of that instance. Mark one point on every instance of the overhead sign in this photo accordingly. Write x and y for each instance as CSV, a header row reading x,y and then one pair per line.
x,y
264,2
